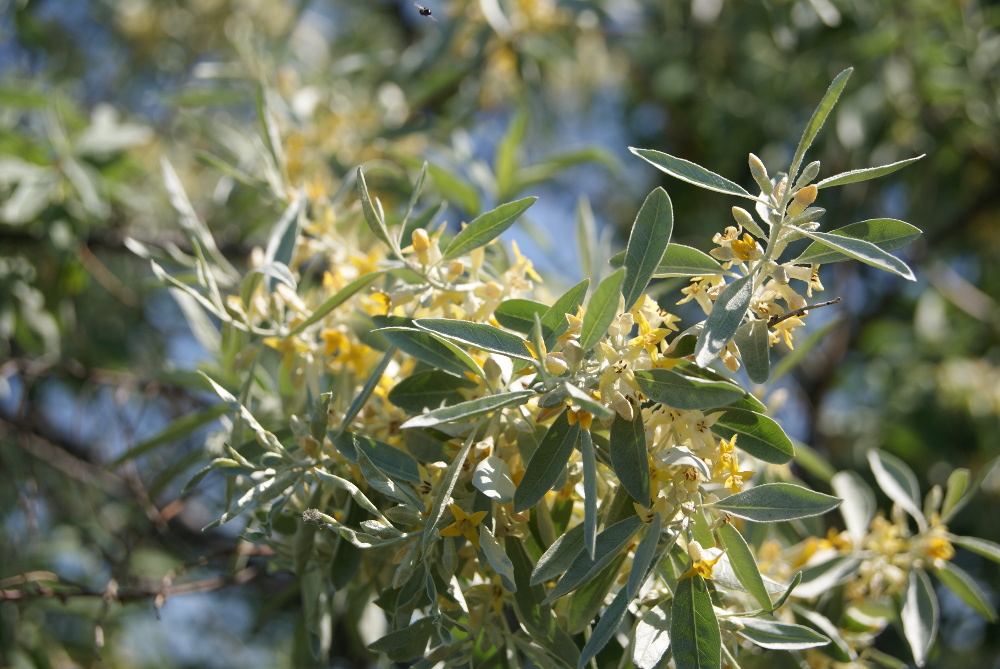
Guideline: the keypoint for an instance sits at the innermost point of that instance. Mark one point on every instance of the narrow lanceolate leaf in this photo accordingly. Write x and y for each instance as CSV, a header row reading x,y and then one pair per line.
x,y
547,463
690,172
613,614
971,490
680,260
629,457
417,188
492,478
987,549
282,240
428,348
486,227
407,643
336,300
610,543
888,234
898,482
554,320
652,636
859,505
866,252
429,390
865,174
601,310
963,585
752,340
838,648
776,502
773,635
650,236
695,639
386,457
759,435
818,118
483,336
497,558
725,319
744,565
559,556
958,483
443,495
519,315
685,392
179,429
375,222
589,492
919,615
466,410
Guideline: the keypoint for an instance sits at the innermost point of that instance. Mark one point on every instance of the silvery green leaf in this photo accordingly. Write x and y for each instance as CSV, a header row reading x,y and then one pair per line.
x,y
648,240
971,491
866,173
680,391
919,615
744,565
486,227
859,505
610,543
776,502
547,463
820,578
498,560
492,478
559,556
376,223
444,491
756,434
963,585
987,549
695,638
690,172
470,409
819,118
752,340
898,482
479,335
519,315
727,315
775,635
428,390
682,455
554,320
630,457
862,250
887,234
337,299
281,243
652,636
958,483
589,492
601,310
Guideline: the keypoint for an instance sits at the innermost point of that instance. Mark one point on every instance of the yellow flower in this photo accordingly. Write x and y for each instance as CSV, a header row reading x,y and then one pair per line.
x,y
465,524
702,565
784,329
290,347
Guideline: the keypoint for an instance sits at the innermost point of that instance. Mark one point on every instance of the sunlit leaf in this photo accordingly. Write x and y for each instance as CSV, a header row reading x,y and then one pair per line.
x,y
649,238
758,435
898,482
695,639
866,173
610,543
727,315
470,409
629,456
963,585
775,635
601,310
546,463
859,505
819,118
479,335
776,502
862,250
690,172
743,564
485,228
751,339
685,392
919,615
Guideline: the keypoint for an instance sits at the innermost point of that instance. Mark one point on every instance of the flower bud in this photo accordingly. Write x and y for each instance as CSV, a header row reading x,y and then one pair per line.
x,y
802,199
743,217
808,174
759,173
492,370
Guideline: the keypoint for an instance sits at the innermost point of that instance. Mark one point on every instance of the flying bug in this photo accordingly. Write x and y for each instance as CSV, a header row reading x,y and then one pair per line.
x,y
424,11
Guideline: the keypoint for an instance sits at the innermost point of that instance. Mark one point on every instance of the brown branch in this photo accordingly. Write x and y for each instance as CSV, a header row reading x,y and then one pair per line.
x,y
106,277
794,313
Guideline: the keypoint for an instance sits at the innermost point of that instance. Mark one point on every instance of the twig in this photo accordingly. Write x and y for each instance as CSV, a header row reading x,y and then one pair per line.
x,y
794,313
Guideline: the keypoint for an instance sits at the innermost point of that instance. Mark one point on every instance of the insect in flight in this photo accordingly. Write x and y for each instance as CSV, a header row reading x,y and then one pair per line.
x,y
424,11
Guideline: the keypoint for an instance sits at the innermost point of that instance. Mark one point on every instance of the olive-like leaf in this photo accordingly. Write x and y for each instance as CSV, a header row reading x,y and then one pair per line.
x,y
680,391
678,260
610,543
898,482
386,457
759,435
866,173
466,410
888,234
497,558
919,615
818,118
652,636
862,250
427,390
726,317
407,643
649,238
963,585
492,478
775,635
374,219
486,227
554,320
987,549
820,578
547,463
479,335
691,172
519,315
589,492
629,456
744,565
695,639
336,300
776,502
425,347
859,505
601,309
752,340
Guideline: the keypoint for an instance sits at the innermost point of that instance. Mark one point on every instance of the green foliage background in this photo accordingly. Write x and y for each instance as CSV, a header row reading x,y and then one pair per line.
x,y
95,358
